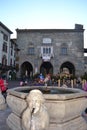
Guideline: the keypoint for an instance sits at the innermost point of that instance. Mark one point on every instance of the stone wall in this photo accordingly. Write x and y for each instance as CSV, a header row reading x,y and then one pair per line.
x,y
72,39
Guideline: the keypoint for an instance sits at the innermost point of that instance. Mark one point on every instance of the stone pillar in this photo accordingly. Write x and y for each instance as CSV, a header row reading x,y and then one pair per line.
x,y
59,83
83,82
71,83
74,81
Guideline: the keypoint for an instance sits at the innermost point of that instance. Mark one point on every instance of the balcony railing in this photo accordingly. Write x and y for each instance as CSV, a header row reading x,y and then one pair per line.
x,y
46,56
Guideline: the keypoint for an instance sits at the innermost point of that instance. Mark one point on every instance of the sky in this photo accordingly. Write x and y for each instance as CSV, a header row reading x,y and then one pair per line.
x,y
44,14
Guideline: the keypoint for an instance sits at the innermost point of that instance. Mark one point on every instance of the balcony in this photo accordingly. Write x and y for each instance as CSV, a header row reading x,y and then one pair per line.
x,y
46,57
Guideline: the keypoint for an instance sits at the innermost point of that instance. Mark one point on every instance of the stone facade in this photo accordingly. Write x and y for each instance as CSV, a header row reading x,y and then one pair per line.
x,y
51,50
7,51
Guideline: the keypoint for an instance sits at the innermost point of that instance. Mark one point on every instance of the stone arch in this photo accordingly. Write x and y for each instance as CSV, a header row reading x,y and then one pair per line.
x,y
26,69
46,68
69,66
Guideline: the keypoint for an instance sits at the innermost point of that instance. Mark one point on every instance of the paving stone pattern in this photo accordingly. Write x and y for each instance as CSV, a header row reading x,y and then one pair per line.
x,y
3,116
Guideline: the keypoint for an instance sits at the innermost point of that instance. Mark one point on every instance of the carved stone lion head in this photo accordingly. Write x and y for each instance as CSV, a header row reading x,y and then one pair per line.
x,y
35,100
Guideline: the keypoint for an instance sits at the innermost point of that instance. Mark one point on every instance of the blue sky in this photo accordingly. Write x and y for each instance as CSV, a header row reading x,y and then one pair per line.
x,y
29,14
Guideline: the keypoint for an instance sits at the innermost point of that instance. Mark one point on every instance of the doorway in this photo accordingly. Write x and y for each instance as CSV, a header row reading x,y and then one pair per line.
x,y
46,68
26,69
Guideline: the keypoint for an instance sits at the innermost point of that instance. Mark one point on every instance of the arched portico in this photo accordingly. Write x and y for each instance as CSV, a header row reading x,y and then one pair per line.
x,y
69,66
26,69
46,68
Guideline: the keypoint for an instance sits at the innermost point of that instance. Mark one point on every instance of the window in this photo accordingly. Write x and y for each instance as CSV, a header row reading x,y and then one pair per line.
x,y
4,60
31,50
43,50
64,51
11,52
11,45
14,62
5,47
46,50
11,62
5,37
49,50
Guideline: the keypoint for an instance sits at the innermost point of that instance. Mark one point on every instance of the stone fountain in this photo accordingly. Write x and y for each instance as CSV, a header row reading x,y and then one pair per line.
x,y
64,106
2,102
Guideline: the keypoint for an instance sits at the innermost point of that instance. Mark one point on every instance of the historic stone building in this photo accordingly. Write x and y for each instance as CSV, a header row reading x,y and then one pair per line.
x,y
51,50
7,51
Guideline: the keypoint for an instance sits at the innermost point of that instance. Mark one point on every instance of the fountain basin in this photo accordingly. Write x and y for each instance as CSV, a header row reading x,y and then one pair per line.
x,y
63,104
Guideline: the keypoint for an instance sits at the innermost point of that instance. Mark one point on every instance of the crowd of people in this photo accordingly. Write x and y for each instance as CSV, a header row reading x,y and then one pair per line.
x,y
40,80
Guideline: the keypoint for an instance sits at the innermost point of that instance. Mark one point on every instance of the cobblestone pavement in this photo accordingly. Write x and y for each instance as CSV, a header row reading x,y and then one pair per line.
x,y
12,84
4,114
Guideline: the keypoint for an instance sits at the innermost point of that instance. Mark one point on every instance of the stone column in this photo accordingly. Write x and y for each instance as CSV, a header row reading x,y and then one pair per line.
x,y
74,81
59,83
71,83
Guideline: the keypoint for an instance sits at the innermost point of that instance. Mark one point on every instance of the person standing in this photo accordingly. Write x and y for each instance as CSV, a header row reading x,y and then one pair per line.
x,y
3,87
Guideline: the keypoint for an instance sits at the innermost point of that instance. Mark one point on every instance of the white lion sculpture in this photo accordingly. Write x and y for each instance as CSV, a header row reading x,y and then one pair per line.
x,y
35,117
